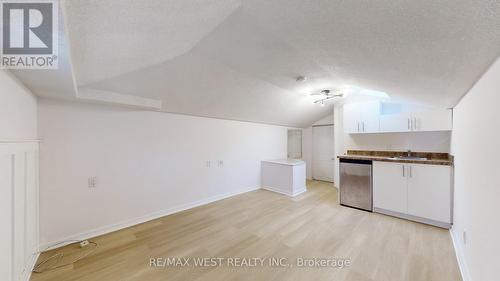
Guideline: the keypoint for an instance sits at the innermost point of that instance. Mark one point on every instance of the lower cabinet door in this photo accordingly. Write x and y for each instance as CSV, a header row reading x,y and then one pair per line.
x,y
429,192
390,186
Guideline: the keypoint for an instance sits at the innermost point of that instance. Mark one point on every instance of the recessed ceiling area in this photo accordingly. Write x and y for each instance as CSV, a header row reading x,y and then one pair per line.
x,y
240,59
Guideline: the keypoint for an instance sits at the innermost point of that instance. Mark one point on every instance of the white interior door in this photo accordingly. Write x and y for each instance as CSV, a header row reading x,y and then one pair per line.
x,y
295,144
323,153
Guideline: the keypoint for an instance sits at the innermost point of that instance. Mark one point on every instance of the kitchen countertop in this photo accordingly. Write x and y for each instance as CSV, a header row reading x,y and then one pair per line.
x,y
386,156
289,162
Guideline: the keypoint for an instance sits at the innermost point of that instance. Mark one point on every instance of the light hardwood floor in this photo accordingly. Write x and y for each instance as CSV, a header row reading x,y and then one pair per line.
x,y
266,224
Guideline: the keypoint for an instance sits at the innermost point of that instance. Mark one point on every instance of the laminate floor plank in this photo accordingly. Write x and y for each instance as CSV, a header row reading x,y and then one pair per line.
x,y
271,226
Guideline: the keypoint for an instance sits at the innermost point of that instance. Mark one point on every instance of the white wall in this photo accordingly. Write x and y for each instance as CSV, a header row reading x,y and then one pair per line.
x,y
475,145
148,164
18,110
327,120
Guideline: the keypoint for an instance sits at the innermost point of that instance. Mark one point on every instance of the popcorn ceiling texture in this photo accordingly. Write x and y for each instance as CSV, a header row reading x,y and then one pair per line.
x,y
118,36
239,59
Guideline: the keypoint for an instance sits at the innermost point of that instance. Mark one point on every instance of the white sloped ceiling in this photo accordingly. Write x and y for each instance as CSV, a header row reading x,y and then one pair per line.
x,y
239,59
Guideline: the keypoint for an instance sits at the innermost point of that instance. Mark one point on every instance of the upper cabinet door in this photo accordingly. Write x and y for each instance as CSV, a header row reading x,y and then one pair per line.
x,y
370,117
369,113
390,186
429,192
361,117
394,123
432,120
351,118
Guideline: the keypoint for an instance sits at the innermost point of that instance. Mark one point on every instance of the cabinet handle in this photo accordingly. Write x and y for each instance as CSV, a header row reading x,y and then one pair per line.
x,y
358,127
403,170
364,127
409,124
411,172
415,123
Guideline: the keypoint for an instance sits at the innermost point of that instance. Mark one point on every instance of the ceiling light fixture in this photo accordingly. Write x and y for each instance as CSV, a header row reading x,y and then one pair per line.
x,y
326,95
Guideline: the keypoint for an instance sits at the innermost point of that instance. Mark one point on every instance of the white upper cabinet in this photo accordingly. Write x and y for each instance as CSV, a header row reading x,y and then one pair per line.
x,y
351,118
432,120
370,112
377,117
361,117
395,123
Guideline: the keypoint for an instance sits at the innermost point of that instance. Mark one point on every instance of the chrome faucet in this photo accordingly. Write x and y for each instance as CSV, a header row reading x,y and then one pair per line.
x,y
408,153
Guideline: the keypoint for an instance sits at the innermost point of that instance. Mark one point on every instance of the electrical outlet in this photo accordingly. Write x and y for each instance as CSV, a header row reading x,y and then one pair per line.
x,y
464,237
92,182
84,243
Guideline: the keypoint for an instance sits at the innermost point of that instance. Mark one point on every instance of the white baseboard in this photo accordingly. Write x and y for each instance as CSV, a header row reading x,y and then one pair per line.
x,y
462,264
325,179
131,222
29,267
286,193
441,224
299,192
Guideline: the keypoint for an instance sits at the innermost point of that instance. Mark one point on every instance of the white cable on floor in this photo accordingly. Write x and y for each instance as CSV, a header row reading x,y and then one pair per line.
x,y
59,256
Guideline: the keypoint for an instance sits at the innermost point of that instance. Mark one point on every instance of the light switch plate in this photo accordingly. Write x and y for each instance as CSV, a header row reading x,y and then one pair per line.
x,y
92,182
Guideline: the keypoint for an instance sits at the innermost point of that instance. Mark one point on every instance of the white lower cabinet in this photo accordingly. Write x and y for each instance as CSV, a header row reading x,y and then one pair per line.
x,y
285,176
429,192
389,186
419,192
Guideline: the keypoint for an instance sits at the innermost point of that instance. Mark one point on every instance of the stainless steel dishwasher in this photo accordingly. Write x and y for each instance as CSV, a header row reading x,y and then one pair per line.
x,y
356,184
